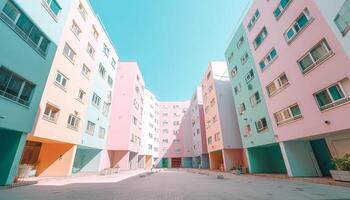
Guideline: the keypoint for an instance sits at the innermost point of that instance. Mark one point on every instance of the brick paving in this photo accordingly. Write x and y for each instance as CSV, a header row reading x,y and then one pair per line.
x,y
181,185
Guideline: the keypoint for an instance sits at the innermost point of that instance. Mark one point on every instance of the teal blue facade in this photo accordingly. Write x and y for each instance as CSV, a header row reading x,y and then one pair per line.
x,y
26,57
245,84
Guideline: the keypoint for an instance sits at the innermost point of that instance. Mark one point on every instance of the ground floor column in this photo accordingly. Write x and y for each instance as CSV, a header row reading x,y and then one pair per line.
x,y
11,148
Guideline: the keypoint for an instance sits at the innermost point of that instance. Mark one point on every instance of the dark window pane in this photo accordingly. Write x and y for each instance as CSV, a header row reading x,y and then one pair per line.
x,y
27,92
5,76
24,24
14,86
11,11
35,35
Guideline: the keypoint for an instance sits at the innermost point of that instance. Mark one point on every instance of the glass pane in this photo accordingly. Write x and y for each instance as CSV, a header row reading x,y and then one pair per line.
x,y
290,33
47,110
295,110
273,53
323,98
35,35
284,79
11,11
286,114
58,78
271,88
277,12
24,24
284,3
279,117
14,86
319,52
44,44
305,62
64,82
302,21
336,92
5,76
27,92
55,7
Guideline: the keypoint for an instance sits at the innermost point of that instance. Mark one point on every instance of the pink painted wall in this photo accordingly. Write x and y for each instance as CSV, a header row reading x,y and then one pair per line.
x,y
302,87
123,108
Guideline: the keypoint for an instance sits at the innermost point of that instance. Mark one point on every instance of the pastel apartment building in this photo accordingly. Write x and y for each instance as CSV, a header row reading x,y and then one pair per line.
x,y
125,131
150,129
32,30
91,152
258,138
51,146
171,146
222,131
304,73
200,157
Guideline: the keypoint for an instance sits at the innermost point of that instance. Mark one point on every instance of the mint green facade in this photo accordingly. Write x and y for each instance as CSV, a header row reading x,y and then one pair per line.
x,y
265,140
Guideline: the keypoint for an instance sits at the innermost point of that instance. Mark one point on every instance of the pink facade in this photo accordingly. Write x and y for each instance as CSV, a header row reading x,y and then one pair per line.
x,y
333,68
124,137
171,137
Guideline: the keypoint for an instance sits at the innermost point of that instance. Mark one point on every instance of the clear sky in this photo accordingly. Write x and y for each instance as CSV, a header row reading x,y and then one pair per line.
x,y
172,40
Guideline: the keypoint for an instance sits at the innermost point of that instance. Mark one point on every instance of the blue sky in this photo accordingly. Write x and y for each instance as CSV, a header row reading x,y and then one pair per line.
x,y
172,40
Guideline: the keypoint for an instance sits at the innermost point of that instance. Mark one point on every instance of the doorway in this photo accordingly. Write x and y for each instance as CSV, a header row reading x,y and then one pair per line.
x,y
323,156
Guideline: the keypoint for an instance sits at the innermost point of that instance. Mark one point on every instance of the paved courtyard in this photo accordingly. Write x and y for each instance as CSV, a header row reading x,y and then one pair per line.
x,y
179,185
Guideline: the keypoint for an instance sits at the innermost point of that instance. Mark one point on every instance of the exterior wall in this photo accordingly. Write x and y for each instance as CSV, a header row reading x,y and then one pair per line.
x,y
302,87
185,131
218,103
329,12
65,99
167,147
252,114
122,128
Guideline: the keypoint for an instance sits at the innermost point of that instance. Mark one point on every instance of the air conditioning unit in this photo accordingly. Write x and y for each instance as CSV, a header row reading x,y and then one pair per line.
x,y
250,86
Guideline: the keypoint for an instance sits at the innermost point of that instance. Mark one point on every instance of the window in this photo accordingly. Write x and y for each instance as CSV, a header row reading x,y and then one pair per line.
x,y
75,29
51,113
315,56
96,100
110,81
342,19
247,131
177,150
90,50
281,8
69,53
233,71
176,123
73,122
15,88
102,71
80,95
165,131
176,141
165,140
90,128
240,42
212,102
54,7
165,114
85,71
260,38
277,85
244,58
229,58
165,123
255,99
134,120
210,140
288,114
249,76
208,123
95,33
150,147
215,118
210,88
61,80
105,109
331,96
101,133
261,125
241,109
237,89
105,50
299,24
82,11
253,20
271,56
217,137
207,109
113,63
24,27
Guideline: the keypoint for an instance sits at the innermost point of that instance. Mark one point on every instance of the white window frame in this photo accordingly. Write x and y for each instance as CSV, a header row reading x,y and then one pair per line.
x,y
286,120
73,122
278,84
96,100
90,128
334,102
292,27
76,29
59,82
70,54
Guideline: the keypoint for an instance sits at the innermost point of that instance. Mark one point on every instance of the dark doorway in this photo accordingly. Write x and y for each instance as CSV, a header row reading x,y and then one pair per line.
x,y
323,156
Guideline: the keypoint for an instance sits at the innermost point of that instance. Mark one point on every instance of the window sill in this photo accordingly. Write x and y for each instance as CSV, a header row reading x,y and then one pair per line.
x,y
317,64
335,105
47,8
60,86
294,119
46,118
72,128
289,42
13,101
279,90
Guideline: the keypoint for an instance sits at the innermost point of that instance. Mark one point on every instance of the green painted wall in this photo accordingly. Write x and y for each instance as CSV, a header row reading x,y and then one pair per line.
x,y
10,153
252,114
300,158
87,160
267,159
